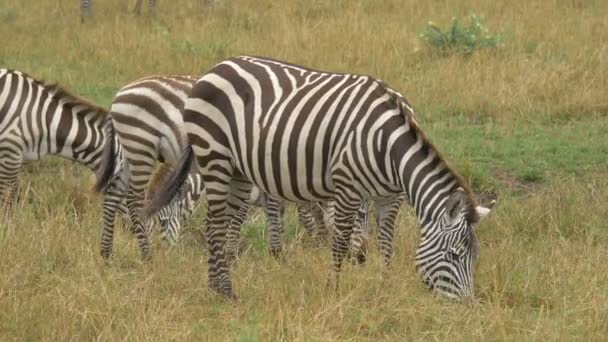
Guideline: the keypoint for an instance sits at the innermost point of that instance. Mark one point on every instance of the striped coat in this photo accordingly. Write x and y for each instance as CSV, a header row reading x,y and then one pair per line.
x,y
147,121
306,135
38,120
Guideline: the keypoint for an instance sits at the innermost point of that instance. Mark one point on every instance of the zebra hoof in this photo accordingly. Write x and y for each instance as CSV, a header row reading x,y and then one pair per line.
x,y
146,258
224,292
106,255
277,253
107,260
228,296
231,297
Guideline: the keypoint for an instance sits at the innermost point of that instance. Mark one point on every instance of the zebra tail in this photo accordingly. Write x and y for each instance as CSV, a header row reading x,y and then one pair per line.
x,y
108,162
170,188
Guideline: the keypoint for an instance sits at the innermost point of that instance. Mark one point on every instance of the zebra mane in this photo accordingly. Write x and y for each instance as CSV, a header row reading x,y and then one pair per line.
x,y
398,99
59,91
471,214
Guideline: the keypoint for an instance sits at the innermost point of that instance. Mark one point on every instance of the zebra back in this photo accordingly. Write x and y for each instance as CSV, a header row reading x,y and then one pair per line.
x,y
38,119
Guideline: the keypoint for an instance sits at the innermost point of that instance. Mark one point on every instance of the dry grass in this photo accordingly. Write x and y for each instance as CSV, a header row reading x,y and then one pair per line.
x,y
551,62
542,274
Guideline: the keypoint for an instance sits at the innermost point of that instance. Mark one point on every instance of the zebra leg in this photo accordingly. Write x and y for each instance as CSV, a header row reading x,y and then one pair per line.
x,y
137,8
386,211
233,235
359,238
223,200
323,213
122,210
140,175
237,212
112,201
10,167
215,235
274,213
306,217
135,200
152,6
345,212
86,9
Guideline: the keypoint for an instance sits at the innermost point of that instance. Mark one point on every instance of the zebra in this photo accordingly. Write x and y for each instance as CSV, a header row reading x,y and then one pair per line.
x,y
169,218
145,116
305,135
39,119
146,119
86,8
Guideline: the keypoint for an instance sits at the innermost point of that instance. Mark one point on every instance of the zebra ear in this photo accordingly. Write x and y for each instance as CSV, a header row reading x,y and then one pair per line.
x,y
454,204
488,202
484,211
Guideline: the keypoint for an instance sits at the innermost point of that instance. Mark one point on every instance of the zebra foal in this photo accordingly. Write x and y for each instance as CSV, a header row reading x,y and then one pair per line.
x,y
306,135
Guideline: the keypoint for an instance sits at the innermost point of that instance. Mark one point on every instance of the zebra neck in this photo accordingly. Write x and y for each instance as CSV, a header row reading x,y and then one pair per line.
x,y
83,140
424,176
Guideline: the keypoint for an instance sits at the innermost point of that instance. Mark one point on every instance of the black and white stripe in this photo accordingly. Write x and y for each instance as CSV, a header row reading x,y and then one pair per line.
x,y
317,219
170,217
147,119
304,135
38,119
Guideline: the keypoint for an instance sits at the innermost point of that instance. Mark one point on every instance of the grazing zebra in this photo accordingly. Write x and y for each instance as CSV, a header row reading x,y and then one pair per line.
x,y
86,8
304,135
171,216
146,118
38,119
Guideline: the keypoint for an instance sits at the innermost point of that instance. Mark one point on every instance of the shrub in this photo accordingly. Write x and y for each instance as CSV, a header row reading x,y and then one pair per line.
x,y
7,14
460,38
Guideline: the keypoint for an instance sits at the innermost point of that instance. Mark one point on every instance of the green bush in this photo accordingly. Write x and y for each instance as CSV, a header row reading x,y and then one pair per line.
x,y
459,37
7,14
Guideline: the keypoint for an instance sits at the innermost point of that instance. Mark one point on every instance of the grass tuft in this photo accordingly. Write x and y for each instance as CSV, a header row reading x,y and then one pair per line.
x,y
459,37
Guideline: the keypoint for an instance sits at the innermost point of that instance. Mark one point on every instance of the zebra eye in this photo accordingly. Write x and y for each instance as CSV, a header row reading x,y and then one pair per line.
x,y
452,254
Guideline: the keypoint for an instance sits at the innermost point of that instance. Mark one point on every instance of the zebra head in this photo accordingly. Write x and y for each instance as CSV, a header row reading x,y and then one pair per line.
x,y
169,223
179,209
448,251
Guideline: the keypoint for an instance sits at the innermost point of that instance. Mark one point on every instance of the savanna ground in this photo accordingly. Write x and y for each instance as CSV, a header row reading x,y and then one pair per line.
x,y
528,119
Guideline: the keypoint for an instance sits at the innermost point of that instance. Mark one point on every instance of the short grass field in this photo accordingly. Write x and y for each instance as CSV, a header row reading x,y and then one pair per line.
x,y
527,118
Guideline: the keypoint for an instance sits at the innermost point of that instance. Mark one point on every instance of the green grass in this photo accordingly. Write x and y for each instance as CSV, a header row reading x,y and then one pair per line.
x,y
529,118
493,155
